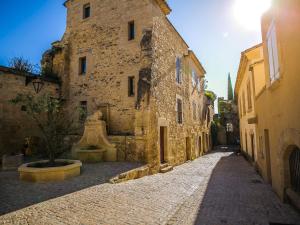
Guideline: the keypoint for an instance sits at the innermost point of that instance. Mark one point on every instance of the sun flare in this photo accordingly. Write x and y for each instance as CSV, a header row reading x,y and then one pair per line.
x,y
248,12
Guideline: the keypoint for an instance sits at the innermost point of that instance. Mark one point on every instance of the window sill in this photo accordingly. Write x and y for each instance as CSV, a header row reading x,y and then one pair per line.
x,y
86,19
178,84
274,85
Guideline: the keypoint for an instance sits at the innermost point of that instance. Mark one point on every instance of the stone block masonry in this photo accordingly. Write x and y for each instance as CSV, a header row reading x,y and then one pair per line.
x,y
122,60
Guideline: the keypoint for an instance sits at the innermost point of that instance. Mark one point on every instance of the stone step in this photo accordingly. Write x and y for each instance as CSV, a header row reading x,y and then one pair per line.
x,y
166,169
164,165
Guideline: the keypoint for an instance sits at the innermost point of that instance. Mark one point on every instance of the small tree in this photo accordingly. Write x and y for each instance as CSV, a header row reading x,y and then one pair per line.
x,y
47,112
22,65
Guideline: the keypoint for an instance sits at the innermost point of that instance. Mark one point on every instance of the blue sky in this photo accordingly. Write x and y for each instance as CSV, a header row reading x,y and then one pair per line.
x,y
208,26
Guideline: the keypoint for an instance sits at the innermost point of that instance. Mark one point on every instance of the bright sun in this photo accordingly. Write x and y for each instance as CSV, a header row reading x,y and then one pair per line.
x,y
248,12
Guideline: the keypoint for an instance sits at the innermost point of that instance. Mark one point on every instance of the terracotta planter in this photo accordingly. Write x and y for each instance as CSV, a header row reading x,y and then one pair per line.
x,y
91,156
12,162
48,174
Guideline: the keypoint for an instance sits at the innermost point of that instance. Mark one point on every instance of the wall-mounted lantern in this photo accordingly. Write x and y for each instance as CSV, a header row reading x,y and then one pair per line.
x,y
37,85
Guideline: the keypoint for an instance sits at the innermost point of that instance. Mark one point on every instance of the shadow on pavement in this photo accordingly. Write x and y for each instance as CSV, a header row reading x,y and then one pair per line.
x,y
236,194
16,194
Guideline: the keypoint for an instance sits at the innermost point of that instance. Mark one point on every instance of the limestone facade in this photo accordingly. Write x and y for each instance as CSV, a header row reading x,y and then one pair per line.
x,y
127,60
15,125
249,84
278,105
274,119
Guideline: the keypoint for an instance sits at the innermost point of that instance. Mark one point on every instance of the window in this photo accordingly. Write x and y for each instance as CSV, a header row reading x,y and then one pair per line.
x,y
240,108
131,86
194,78
273,53
82,66
131,30
199,84
249,96
83,110
244,104
86,11
194,111
178,71
179,111
229,127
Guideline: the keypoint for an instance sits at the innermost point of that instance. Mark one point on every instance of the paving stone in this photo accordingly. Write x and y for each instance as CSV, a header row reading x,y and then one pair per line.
x,y
215,189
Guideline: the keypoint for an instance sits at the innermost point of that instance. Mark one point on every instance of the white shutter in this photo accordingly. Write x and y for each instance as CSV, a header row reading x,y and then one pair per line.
x,y
271,65
273,53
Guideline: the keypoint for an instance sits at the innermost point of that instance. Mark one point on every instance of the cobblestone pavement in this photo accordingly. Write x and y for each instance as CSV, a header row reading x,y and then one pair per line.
x,y
16,194
219,188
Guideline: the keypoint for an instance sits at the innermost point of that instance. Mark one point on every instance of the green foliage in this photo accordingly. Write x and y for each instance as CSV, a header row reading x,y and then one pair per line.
x,y
47,112
48,72
211,95
230,90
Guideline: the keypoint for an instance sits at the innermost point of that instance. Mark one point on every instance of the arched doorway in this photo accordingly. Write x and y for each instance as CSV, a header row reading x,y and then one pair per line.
x,y
294,169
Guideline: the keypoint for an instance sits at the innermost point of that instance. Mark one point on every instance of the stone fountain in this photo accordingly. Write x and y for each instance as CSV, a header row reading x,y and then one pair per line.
x,y
94,145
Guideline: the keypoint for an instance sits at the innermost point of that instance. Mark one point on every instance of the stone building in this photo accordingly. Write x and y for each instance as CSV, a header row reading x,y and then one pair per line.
x,y
278,105
126,59
275,100
227,118
249,84
15,125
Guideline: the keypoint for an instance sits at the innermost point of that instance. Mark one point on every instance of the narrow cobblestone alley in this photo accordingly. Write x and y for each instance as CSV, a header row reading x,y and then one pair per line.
x,y
219,188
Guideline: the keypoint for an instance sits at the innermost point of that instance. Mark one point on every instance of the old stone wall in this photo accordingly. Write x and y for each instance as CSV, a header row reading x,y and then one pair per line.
x,y
111,58
150,58
168,45
129,148
15,125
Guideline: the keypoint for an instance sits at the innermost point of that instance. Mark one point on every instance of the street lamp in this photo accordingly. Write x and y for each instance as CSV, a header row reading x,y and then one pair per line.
x,y
38,85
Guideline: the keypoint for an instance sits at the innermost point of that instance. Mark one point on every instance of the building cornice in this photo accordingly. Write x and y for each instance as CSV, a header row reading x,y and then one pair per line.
x,y
197,62
242,67
163,5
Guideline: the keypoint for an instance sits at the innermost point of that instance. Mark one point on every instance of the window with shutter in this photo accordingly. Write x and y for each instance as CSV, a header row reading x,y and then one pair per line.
x,y
178,71
249,96
273,53
179,111
194,78
244,104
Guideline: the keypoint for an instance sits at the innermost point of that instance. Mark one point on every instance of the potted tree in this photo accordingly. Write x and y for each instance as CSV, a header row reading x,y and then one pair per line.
x,y
53,123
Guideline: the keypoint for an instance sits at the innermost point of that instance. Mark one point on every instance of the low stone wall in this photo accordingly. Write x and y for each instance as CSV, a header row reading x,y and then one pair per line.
x,y
129,148
131,175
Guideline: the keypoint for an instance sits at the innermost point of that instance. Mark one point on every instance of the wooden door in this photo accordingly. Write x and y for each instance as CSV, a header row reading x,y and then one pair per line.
x,y
252,147
162,144
188,148
268,156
